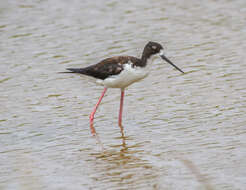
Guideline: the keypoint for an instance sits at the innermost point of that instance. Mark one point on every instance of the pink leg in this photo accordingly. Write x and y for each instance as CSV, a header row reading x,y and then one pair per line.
x,y
121,108
95,109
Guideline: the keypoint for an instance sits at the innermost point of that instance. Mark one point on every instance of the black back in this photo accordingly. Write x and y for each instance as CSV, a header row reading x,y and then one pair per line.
x,y
114,65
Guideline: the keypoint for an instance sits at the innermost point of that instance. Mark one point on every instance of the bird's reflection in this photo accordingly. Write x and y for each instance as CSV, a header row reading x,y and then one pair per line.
x,y
120,165
123,136
94,134
99,142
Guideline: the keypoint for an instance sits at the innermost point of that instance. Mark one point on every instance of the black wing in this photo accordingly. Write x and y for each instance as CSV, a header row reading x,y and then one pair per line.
x,y
107,67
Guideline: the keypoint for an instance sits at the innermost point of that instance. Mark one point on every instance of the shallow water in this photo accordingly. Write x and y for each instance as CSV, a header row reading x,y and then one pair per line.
x,y
180,131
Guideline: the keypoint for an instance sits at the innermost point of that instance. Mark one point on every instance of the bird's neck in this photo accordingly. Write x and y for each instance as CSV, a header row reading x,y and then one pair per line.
x,y
145,57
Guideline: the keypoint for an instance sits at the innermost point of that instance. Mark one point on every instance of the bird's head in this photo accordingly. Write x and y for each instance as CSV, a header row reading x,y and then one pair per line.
x,y
153,48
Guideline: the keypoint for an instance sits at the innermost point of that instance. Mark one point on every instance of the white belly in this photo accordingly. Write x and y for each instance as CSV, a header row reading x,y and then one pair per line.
x,y
128,76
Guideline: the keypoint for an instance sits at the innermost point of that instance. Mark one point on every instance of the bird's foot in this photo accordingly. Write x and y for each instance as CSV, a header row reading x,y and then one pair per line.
x,y
93,130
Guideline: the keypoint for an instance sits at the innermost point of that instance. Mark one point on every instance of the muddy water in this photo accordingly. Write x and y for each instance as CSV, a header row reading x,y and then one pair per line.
x,y
180,131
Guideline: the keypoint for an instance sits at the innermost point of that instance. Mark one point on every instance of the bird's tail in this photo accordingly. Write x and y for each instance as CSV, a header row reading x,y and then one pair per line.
x,y
73,70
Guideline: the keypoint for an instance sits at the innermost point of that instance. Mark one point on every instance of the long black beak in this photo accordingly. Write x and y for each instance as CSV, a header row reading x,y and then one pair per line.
x,y
167,60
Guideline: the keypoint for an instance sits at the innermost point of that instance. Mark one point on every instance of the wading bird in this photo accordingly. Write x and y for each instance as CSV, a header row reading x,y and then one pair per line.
x,y
120,72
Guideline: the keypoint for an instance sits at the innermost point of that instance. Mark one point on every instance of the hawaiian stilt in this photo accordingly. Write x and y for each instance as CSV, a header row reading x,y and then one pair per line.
x,y
120,72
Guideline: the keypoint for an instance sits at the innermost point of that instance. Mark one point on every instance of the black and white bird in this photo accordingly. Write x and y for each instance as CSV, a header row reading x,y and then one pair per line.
x,y
120,72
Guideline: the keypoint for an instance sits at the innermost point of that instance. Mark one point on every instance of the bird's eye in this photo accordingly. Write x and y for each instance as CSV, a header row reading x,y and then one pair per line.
x,y
154,47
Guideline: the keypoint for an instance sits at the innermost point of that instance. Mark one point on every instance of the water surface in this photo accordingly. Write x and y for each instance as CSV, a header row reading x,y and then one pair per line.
x,y
180,131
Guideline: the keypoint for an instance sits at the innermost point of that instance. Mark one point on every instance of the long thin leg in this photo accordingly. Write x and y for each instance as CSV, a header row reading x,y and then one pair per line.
x,y
95,109
121,108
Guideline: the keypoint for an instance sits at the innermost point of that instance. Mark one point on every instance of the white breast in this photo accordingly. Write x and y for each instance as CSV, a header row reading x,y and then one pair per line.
x,y
128,76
